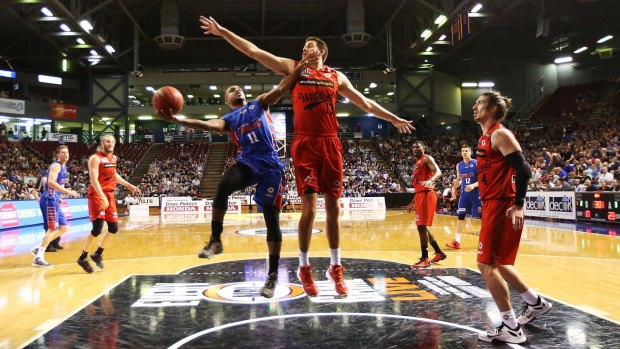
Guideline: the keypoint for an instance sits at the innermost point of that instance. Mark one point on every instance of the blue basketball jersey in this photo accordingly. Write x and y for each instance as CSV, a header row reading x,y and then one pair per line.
x,y
51,193
253,130
469,172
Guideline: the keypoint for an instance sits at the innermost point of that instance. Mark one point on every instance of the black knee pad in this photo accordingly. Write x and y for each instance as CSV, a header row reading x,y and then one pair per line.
x,y
272,221
113,227
97,227
461,216
274,235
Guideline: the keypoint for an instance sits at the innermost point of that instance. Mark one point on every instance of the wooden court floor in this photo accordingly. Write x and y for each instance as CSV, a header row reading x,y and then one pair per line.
x,y
579,269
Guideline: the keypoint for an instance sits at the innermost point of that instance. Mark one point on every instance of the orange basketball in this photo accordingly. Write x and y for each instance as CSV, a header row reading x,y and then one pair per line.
x,y
166,98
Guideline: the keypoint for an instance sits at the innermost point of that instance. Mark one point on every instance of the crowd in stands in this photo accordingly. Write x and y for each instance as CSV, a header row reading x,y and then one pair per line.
x,y
177,170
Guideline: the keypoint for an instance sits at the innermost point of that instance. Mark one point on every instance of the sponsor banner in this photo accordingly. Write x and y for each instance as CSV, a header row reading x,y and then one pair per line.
x,y
68,111
295,200
13,106
20,240
15,214
168,138
66,137
363,204
550,204
234,206
149,201
245,199
181,206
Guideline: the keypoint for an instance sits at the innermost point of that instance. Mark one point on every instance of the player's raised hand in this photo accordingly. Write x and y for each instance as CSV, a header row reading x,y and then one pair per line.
x,y
403,126
308,60
166,115
210,26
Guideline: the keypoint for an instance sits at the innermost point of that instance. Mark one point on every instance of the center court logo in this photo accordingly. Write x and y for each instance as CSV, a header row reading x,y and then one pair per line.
x,y
249,293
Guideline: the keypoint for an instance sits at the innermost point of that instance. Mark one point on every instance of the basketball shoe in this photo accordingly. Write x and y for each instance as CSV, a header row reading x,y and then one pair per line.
x,y
334,274
453,244
423,263
85,265
304,274
505,334
98,259
438,257
40,262
531,312
211,249
270,285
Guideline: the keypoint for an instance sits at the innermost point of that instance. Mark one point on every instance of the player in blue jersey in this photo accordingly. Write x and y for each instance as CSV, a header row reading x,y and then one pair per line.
x,y
53,218
250,126
469,203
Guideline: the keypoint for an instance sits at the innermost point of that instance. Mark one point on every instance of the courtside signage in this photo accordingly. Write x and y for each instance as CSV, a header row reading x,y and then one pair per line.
x,y
551,204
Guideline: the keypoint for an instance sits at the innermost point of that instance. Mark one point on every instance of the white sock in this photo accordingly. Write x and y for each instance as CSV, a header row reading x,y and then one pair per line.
x,y
304,260
458,237
335,256
40,252
530,297
509,318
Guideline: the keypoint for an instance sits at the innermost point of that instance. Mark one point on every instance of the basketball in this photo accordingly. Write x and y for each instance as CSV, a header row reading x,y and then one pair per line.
x,y
168,97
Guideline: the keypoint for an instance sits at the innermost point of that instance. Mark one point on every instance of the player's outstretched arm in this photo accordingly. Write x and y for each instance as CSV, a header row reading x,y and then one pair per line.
x,y
277,64
273,96
347,90
132,188
218,125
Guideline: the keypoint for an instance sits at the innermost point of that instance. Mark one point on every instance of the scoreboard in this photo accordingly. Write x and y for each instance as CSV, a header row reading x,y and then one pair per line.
x,y
598,206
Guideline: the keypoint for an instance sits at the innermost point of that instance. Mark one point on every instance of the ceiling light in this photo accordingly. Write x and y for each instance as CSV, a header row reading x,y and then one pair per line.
x,y
150,88
212,87
340,115
216,95
561,60
441,19
80,41
442,37
429,49
248,95
426,33
476,8
210,116
94,53
426,61
50,79
65,65
7,74
486,84
390,93
94,61
65,28
372,85
469,84
181,117
247,87
145,117
86,25
190,96
602,40
110,49
581,49
46,12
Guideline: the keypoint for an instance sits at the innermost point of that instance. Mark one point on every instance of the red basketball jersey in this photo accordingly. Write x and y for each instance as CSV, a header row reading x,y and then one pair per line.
x,y
107,172
495,175
314,102
421,173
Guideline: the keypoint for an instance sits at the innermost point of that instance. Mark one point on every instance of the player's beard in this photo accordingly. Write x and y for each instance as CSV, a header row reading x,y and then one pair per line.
x,y
239,101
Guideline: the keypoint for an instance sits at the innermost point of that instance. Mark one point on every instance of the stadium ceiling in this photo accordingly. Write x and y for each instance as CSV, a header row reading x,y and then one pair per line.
x,y
503,34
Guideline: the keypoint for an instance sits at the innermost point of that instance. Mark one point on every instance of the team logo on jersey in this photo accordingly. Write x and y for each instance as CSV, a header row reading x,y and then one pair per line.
x,y
483,142
305,72
309,179
270,190
327,75
251,106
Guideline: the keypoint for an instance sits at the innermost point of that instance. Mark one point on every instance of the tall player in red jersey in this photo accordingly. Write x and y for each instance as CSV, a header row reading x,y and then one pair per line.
x,y
101,203
425,173
503,175
316,149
